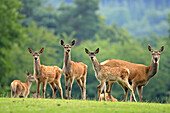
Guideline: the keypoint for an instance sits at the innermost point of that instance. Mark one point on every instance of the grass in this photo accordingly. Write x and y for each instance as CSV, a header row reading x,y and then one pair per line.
x,y
14,105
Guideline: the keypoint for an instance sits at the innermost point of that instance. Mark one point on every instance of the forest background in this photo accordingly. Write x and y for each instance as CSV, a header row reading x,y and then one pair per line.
x,y
122,29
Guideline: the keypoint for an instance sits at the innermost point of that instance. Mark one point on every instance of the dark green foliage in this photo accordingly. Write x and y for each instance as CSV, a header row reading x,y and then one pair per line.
x,y
10,33
81,18
140,17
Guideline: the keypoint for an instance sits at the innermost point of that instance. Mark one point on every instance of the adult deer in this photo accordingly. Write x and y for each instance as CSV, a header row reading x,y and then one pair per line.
x,y
73,70
44,74
139,74
18,88
106,73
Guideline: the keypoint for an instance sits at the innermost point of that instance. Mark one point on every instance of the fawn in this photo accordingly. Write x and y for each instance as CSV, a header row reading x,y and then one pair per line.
x,y
18,88
106,73
108,98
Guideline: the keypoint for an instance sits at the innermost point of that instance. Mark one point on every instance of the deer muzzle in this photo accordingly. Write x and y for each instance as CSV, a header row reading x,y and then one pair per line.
x,y
35,58
156,60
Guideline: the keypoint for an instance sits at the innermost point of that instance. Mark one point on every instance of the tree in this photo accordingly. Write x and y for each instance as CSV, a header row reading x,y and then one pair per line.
x,y
28,8
11,32
81,18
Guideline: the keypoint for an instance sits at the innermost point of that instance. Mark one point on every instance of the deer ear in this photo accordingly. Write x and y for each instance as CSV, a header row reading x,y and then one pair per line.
x,y
41,50
62,42
161,49
30,50
150,48
97,51
87,51
28,73
72,43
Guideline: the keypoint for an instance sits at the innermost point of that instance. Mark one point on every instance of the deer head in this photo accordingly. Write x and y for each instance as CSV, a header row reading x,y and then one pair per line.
x,y
36,54
155,54
67,47
92,55
30,78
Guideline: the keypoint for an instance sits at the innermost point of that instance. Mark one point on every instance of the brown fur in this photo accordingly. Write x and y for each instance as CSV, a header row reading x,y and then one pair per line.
x,y
46,74
139,74
108,98
18,88
105,73
73,70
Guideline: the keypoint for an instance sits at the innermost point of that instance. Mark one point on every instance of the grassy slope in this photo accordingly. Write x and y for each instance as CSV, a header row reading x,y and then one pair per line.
x,y
72,106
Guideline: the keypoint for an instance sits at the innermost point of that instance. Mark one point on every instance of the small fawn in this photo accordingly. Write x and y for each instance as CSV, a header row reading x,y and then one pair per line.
x,y
108,98
106,73
21,89
73,70
46,74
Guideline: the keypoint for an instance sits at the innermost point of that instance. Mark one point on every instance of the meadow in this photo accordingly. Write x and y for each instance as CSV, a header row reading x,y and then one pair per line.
x,y
18,105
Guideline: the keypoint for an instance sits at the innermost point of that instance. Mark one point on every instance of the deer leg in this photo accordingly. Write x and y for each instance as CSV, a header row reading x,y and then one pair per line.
x,y
140,88
44,87
38,87
101,89
58,83
98,91
70,86
12,93
125,88
84,87
25,95
104,88
54,89
132,89
109,88
79,82
125,93
66,85
17,93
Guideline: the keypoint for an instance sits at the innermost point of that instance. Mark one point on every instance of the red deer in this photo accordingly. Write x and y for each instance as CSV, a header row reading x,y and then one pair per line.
x,y
108,98
44,74
73,70
18,88
106,73
139,74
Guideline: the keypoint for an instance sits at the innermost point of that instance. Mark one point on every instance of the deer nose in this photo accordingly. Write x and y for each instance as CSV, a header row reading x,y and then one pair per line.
x,y
68,50
156,59
91,57
35,58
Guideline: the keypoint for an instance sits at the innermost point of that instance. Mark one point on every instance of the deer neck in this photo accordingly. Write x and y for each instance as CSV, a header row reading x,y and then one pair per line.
x,y
37,68
67,60
96,65
28,83
153,69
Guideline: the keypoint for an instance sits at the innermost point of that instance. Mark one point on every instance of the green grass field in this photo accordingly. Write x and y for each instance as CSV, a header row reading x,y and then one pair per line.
x,y
21,105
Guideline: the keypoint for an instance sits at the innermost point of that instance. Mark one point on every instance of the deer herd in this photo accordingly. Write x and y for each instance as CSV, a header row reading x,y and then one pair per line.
x,y
128,75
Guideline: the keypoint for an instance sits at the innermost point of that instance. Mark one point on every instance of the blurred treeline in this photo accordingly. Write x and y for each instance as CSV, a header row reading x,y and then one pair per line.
x,y
37,24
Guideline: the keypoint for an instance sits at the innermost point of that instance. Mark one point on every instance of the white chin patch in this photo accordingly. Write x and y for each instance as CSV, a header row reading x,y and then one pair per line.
x,y
155,61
